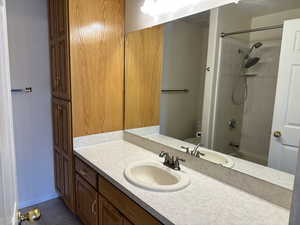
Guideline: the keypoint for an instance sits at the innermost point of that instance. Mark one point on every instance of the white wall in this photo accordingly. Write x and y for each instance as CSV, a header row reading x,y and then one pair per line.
x,y
185,56
29,59
136,20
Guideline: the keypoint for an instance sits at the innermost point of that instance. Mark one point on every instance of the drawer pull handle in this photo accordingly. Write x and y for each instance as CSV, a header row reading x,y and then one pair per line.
x,y
93,207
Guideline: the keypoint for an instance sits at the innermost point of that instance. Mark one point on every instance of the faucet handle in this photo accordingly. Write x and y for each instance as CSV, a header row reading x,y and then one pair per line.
x,y
163,154
177,163
187,149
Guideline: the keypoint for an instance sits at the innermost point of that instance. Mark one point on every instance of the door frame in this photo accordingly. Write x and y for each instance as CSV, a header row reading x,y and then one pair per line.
x,y
8,169
209,100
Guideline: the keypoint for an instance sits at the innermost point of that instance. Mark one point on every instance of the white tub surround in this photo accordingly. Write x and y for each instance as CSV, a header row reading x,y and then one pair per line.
x,y
205,201
264,182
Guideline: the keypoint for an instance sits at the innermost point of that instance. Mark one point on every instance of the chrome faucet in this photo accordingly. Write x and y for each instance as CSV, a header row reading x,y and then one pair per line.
x,y
170,161
195,151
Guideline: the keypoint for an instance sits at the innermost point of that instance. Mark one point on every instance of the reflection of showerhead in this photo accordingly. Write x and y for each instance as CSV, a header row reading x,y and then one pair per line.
x,y
251,62
256,45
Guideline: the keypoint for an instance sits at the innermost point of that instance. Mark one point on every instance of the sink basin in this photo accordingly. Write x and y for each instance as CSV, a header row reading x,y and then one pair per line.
x,y
156,177
217,158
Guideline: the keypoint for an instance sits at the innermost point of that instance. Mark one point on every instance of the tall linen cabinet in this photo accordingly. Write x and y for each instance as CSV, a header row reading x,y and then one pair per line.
x,y
87,74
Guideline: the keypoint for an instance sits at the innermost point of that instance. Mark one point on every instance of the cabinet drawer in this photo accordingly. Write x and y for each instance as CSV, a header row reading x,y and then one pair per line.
x,y
136,214
86,172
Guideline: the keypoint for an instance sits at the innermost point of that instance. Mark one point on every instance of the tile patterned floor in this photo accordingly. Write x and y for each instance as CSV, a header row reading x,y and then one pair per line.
x,y
54,212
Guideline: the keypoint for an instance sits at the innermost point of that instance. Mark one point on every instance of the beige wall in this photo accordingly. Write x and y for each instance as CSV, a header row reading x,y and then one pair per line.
x,y
232,19
185,57
270,20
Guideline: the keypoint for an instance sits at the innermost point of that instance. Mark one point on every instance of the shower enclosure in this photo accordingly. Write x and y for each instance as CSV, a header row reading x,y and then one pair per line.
x,y
245,98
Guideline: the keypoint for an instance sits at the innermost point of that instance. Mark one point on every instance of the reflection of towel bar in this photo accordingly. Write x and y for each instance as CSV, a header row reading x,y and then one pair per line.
x,y
175,90
26,90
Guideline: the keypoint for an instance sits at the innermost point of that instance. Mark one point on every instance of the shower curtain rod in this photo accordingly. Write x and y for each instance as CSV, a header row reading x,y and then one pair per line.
x,y
252,30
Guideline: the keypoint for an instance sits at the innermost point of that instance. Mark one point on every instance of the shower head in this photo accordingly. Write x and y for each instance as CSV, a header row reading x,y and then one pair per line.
x,y
256,45
251,62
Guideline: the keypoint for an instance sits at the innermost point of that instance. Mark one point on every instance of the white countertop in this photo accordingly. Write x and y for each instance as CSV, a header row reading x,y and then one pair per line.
x,y
205,201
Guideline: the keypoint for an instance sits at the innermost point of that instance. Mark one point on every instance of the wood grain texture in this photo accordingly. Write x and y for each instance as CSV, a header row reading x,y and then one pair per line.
x,y
86,202
97,65
143,74
131,210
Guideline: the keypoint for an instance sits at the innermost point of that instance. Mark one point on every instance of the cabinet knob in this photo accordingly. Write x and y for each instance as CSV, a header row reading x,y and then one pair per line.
x,y
277,134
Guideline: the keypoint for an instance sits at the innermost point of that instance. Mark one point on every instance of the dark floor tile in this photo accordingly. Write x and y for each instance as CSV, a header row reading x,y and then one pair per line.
x,y
54,212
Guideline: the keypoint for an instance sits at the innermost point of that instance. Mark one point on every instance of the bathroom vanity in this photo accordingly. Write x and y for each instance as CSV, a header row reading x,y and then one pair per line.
x,y
106,194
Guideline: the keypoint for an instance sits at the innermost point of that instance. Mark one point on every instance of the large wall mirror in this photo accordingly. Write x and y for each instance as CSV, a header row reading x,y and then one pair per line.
x,y
226,80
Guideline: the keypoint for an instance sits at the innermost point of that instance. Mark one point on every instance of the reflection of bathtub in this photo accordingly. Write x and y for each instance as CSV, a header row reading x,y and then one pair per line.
x,y
194,140
249,157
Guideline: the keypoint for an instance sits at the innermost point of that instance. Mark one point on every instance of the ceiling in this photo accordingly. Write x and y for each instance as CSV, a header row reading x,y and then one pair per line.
x,y
256,8
253,8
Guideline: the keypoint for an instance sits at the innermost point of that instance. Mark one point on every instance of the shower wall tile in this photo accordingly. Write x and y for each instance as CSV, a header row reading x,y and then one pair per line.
x,y
258,109
229,78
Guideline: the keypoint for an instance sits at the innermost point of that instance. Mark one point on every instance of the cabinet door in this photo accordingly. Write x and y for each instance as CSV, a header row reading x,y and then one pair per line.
x,y
63,156
68,190
57,18
61,111
58,171
59,48
108,215
86,202
60,76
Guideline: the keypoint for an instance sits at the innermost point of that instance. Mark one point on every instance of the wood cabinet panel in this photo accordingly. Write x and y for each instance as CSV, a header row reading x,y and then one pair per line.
x,y
61,111
59,48
68,183
60,75
58,172
127,222
86,202
143,74
125,205
108,215
63,155
86,172
97,65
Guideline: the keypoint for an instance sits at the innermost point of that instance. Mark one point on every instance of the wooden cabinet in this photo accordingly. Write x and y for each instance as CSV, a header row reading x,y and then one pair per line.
x,y
63,155
127,222
59,49
113,206
62,126
86,202
87,53
97,65
58,171
109,215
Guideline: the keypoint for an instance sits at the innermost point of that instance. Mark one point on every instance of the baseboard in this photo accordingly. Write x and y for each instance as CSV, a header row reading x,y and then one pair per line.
x,y
32,202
